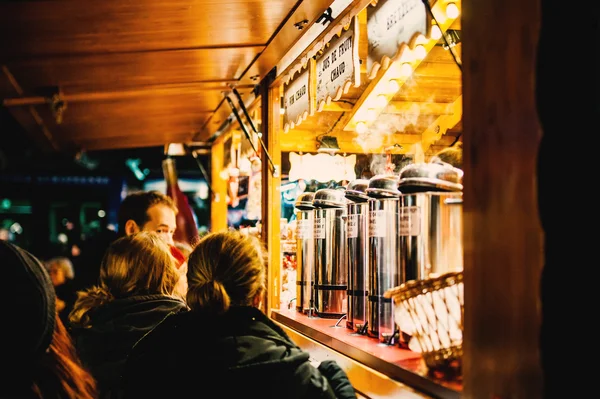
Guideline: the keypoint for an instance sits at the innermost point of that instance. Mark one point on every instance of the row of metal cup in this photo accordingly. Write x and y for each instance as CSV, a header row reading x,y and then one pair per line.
x,y
356,244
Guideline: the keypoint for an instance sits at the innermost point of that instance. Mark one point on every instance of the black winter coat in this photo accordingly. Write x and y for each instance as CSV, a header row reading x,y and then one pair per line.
x,y
115,328
239,354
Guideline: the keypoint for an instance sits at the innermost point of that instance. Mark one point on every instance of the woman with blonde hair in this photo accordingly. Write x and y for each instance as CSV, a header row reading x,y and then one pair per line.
x,y
138,277
225,344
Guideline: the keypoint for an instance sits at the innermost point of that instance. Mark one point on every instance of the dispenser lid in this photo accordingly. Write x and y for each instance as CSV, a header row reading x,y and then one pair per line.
x,y
357,190
304,201
434,176
383,186
330,198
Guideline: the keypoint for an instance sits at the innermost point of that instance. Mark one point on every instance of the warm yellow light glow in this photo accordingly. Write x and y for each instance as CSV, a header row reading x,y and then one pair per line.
x,y
421,39
393,86
361,127
406,69
420,52
407,55
381,101
393,71
371,115
436,32
452,11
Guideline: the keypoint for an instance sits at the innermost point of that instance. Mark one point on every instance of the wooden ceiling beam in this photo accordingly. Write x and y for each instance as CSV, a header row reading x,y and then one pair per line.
x,y
398,107
28,117
305,141
144,91
132,141
442,124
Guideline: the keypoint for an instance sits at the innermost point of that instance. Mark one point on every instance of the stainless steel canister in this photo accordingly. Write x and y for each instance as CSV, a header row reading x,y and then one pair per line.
x,y
305,252
431,227
331,267
358,258
384,262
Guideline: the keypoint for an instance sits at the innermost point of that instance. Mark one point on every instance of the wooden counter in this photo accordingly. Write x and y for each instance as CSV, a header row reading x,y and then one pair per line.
x,y
400,365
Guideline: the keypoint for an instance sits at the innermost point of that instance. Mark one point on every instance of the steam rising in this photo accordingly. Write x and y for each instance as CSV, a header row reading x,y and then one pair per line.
x,y
377,164
380,134
385,126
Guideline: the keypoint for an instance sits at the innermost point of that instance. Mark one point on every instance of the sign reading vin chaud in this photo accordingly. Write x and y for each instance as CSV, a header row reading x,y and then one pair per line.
x,y
297,100
391,23
338,67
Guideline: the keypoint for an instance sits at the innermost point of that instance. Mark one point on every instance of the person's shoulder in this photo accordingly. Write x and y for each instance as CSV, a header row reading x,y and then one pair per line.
x,y
170,328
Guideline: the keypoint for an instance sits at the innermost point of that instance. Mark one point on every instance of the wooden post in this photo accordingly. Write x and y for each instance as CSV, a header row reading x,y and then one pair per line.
x,y
503,237
271,210
218,202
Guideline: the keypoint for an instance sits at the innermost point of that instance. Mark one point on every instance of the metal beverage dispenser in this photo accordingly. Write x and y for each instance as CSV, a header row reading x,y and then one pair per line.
x,y
358,258
305,253
331,267
384,262
430,220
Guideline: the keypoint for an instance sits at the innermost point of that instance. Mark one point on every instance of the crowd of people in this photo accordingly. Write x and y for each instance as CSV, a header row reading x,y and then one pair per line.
x,y
156,319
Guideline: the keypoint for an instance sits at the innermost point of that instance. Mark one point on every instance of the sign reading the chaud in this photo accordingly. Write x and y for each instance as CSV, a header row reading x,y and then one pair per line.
x,y
338,68
297,100
391,23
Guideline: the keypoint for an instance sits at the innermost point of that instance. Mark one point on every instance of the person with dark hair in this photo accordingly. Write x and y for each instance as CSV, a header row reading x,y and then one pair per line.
x,y
38,354
137,290
139,211
225,344
149,211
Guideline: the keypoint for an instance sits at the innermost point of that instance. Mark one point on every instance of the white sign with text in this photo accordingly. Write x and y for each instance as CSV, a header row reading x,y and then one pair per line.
x,y
297,99
391,23
338,67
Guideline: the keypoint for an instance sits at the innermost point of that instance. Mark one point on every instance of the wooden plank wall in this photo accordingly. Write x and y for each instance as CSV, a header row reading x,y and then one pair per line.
x,y
503,237
271,197
218,204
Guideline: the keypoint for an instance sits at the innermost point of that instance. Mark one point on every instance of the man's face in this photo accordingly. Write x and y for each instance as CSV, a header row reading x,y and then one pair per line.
x,y
161,220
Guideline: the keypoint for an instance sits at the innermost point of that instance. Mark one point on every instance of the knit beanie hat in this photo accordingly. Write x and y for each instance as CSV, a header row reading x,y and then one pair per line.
x,y
28,297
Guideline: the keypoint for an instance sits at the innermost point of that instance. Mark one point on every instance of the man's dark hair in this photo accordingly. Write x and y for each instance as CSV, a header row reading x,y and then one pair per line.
x,y
135,207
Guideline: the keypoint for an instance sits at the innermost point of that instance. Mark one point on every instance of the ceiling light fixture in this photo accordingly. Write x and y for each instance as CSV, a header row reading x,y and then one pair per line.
x,y
175,149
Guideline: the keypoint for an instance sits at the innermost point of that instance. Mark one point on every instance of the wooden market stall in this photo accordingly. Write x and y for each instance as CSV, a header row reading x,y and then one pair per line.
x,y
116,74
385,107
402,102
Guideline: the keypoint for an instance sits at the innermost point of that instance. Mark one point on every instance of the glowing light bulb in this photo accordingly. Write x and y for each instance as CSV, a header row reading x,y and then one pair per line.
x,y
407,55
381,101
452,10
436,32
361,127
393,86
371,114
421,39
420,52
406,69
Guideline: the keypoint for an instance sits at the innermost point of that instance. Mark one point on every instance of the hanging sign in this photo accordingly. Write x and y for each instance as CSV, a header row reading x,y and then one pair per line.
x,y
390,24
298,99
338,67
